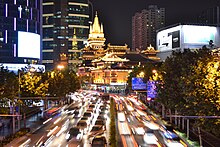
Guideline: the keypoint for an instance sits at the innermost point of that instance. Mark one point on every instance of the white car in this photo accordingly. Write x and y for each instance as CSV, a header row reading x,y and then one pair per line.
x,y
150,138
151,125
140,130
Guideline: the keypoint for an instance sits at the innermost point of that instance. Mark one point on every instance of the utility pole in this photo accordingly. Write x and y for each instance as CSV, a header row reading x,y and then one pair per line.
x,y
19,95
13,117
200,137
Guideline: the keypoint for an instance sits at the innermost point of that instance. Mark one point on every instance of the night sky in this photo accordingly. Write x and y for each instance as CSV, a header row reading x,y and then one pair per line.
x,y
116,15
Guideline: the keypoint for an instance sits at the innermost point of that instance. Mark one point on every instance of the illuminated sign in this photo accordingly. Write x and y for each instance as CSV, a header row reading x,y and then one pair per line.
x,y
28,45
168,39
198,34
151,89
138,84
186,36
16,67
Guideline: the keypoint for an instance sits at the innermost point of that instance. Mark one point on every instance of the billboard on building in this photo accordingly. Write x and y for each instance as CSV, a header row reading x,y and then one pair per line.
x,y
168,39
138,84
198,34
186,36
28,45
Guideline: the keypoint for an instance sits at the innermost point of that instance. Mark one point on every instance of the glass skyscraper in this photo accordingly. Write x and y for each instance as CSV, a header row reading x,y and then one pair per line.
x,y
20,20
65,32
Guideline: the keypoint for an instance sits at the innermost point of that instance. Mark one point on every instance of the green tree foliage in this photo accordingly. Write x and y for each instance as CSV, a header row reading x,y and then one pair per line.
x,y
8,88
33,84
62,82
190,84
52,83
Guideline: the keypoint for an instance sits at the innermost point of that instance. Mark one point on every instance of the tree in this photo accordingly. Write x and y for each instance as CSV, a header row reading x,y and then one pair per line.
x,y
204,92
33,84
190,84
62,82
8,88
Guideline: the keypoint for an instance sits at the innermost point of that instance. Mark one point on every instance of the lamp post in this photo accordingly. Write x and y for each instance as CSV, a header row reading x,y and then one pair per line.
x,y
19,96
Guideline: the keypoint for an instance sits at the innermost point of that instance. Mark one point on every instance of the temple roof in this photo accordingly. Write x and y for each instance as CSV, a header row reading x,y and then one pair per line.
x,y
109,57
120,66
136,57
149,49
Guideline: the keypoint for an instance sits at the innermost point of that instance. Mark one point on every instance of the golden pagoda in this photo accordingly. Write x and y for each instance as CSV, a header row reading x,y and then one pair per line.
x,y
96,41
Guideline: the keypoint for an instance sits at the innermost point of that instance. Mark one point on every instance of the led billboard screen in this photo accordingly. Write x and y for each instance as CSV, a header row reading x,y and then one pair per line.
x,y
138,84
199,34
151,89
28,45
168,39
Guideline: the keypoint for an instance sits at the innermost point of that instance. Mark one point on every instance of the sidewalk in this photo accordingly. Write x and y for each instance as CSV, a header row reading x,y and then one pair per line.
x,y
7,128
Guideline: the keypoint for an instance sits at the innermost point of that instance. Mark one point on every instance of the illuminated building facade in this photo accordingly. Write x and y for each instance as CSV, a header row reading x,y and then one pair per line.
x,y
65,32
179,37
104,67
20,31
144,26
110,73
96,42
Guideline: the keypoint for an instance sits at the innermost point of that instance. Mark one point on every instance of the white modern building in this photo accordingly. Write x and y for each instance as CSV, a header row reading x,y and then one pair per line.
x,y
180,37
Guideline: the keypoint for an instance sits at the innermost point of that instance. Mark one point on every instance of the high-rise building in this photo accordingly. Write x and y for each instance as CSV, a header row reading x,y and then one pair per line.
x,y
210,16
65,32
144,26
20,31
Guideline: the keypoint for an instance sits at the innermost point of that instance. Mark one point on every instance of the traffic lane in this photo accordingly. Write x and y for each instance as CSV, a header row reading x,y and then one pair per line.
x,y
136,120
61,139
45,127
40,131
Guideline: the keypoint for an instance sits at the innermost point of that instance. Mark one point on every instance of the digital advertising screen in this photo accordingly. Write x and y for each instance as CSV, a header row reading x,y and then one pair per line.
x,y
151,89
201,34
28,45
168,39
138,84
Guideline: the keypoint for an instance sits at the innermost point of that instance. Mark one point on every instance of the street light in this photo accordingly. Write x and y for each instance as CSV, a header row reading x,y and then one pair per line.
x,y
60,67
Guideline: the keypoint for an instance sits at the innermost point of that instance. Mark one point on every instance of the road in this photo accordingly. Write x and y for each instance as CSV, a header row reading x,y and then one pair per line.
x,y
52,130
135,124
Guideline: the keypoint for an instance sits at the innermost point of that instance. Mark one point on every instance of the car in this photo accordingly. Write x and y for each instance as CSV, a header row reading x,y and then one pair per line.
x,y
171,139
152,125
99,141
167,128
97,130
99,122
74,134
90,110
92,106
82,124
101,117
87,114
139,130
149,137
